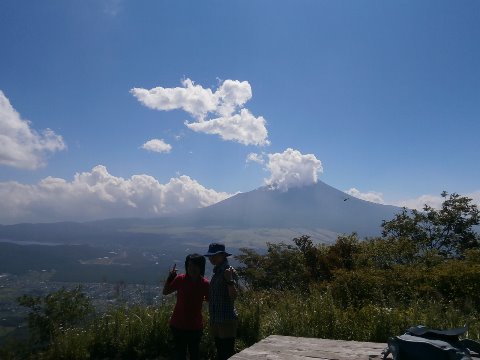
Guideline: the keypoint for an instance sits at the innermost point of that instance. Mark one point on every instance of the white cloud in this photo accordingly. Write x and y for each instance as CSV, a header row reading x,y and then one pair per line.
x,y
254,157
243,128
231,95
371,196
20,145
232,122
191,98
112,7
419,202
98,194
434,201
292,169
475,196
157,145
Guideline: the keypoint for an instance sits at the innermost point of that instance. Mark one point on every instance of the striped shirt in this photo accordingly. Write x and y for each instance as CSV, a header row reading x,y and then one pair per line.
x,y
221,307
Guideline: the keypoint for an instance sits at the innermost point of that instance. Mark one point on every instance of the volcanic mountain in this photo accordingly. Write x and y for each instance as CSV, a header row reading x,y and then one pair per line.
x,y
250,218
317,206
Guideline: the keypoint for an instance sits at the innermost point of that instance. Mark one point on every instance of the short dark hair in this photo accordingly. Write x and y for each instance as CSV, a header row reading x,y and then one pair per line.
x,y
196,259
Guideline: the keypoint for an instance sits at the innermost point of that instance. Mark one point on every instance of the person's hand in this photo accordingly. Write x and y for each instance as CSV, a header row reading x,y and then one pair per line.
x,y
172,274
228,274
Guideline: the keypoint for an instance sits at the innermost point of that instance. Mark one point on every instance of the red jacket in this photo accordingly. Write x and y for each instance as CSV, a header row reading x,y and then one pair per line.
x,y
187,314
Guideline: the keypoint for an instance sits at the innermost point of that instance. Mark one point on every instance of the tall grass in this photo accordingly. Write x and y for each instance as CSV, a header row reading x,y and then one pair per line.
x,y
319,314
121,333
143,332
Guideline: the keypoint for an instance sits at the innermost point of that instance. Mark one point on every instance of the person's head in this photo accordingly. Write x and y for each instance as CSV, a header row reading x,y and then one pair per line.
x,y
216,253
195,265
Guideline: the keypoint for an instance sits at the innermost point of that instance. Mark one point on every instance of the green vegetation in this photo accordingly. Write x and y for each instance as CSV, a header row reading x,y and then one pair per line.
x,y
50,315
447,233
425,269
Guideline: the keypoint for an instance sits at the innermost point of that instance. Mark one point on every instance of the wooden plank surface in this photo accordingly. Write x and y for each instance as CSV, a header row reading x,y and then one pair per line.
x,y
277,347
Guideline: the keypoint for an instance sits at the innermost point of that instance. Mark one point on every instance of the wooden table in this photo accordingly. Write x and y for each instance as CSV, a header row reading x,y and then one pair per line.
x,y
277,347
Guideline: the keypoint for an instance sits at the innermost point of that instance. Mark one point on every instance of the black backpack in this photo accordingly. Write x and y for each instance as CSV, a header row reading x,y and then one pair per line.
x,y
422,343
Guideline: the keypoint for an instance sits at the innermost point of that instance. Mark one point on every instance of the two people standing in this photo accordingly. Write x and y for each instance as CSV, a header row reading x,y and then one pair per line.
x,y
192,289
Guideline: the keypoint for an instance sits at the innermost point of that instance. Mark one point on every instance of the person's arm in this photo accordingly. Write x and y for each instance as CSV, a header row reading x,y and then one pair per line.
x,y
167,287
231,284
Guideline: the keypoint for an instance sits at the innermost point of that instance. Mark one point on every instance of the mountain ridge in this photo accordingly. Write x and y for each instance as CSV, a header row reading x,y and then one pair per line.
x,y
312,207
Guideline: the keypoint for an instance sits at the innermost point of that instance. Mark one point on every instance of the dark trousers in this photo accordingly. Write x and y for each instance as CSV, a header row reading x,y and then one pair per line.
x,y
186,341
225,348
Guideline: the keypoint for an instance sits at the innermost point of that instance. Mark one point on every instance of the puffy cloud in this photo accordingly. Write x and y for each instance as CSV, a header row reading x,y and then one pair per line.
x,y
98,194
243,128
20,145
232,121
434,201
371,196
191,98
292,169
157,145
231,95
254,157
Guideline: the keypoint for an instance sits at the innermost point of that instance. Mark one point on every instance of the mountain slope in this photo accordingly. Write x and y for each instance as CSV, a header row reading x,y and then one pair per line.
x,y
318,206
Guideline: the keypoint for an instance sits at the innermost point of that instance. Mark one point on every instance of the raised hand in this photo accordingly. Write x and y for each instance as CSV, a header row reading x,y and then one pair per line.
x,y
172,274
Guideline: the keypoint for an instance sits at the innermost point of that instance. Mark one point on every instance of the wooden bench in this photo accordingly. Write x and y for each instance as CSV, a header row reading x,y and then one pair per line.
x,y
277,347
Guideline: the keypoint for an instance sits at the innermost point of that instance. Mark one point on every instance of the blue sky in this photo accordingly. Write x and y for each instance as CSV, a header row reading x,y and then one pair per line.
x,y
379,96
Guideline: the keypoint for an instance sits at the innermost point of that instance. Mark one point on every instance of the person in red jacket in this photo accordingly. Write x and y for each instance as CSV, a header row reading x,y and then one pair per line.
x,y
186,322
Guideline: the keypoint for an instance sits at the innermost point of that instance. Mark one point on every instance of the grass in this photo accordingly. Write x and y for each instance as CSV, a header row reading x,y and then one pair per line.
x,y
143,332
319,315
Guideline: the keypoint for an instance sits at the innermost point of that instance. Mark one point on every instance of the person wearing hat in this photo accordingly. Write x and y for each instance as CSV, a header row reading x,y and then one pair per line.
x,y
223,291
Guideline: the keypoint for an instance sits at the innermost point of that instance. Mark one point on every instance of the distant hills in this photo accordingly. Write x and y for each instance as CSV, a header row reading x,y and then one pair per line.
x,y
75,251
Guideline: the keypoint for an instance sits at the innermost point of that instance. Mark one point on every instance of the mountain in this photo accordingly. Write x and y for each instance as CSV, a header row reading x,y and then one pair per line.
x,y
314,207
250,218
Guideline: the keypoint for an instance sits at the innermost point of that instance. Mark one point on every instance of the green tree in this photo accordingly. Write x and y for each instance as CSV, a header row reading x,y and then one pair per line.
x,y
281,268
314,262
289,267
343,254
54,313
383,253
322,259
447,232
